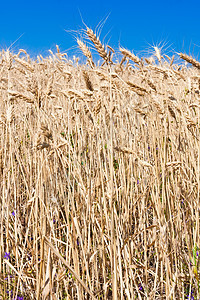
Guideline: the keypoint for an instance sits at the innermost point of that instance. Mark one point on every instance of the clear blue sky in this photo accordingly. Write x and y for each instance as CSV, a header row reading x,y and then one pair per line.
x,y
133,24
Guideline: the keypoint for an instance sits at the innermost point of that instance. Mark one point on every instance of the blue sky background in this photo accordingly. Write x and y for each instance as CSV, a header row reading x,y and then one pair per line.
x,y
135,25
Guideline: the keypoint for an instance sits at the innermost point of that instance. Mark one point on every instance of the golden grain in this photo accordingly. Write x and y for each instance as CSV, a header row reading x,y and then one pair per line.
x,y
99,175
190,60
130,55
98,45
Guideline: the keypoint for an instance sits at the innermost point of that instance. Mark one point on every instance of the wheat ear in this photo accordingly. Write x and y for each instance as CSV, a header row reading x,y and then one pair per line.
x,y
86,52
136,87
190,59
130,55
24,63
88,81
158,55
98,45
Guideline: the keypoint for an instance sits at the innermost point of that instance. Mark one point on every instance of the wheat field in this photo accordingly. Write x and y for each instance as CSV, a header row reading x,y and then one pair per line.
x,y
99,175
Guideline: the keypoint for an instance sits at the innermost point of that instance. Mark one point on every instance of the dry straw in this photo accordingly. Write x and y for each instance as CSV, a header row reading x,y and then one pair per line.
x,y
100,181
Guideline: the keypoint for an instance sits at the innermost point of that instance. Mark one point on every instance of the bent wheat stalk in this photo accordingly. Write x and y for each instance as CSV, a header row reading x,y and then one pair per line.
x,y
68,267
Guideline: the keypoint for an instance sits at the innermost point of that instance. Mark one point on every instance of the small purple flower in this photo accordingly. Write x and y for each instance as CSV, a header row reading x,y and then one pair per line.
x,y
192,297
77,242
156,148
148,147
54,221
140,287
197,253
7,255
10,292
13,213
138,181
20,298
7,277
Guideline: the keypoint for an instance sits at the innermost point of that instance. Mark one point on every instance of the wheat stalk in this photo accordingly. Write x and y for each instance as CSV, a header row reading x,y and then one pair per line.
x,y
172,60
113,186
9,113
